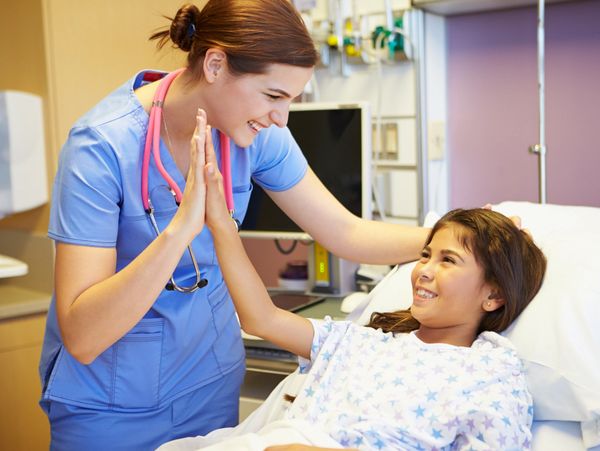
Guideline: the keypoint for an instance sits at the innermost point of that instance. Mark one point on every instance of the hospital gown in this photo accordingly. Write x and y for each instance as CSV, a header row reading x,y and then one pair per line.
x,y
384,391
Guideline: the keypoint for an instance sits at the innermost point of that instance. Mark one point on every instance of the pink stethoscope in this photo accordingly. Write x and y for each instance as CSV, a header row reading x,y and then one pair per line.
x,y
153,139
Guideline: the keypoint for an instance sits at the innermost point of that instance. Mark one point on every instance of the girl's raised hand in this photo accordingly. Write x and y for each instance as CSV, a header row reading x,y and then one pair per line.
x,y
191,213
217,215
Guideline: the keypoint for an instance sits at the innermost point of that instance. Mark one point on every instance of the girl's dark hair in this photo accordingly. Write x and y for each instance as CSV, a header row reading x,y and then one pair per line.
x,y
252,33
511,262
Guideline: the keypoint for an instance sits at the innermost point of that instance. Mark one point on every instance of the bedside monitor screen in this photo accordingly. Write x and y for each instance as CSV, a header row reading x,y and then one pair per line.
x,y
335,139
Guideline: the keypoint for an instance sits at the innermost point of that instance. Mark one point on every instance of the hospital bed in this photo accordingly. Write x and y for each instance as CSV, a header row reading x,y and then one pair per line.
x,y
557,336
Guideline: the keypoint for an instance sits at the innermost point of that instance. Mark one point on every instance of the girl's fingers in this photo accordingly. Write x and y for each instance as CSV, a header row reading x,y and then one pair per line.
x,y
201,140
213,177
210,148
216,208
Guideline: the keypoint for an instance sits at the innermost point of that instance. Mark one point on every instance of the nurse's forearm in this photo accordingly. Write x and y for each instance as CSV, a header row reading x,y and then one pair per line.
x,y
315,210
96,306
384,243
373,242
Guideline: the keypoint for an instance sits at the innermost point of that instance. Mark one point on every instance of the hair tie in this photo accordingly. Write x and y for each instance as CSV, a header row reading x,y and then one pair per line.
x,y
191,31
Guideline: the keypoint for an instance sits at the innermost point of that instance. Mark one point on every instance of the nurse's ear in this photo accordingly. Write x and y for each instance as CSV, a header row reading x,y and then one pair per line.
x,y
214,64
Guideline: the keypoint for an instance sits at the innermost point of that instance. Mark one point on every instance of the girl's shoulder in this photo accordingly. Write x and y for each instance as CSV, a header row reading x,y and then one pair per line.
x,y
493,340
491,345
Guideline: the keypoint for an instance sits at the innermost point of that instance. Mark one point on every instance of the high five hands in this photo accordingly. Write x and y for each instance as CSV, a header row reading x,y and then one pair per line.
x,y
190,216
205,181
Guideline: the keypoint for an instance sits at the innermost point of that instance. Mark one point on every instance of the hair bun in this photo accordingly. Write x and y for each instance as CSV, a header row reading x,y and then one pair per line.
x,y
183,27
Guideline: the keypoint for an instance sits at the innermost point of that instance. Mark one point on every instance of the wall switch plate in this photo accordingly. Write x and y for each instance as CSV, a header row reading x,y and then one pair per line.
x,y
436,140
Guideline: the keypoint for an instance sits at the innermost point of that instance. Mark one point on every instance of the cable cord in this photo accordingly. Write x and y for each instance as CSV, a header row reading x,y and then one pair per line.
x,y
287,251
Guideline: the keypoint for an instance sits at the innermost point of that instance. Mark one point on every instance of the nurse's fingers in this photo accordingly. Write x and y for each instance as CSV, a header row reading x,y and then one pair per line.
x,y
515,219
197,156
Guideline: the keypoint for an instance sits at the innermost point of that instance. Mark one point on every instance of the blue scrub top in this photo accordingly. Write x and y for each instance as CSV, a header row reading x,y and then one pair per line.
x,y
185,341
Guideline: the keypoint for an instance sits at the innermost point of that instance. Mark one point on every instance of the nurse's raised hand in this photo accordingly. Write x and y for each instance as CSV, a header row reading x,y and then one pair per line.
x,y
189,218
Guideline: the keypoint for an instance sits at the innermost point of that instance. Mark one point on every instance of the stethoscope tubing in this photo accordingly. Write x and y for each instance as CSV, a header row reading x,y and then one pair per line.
x,y
152,145
153,142
226,165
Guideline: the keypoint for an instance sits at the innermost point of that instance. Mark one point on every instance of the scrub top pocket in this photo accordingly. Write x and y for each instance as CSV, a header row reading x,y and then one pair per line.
x,y
137,358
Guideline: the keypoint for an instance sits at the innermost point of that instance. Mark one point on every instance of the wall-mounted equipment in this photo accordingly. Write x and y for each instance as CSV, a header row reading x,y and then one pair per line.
x,y
358,33
23,180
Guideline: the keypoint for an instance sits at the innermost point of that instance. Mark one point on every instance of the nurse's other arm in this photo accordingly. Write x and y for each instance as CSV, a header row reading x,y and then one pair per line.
x,y
257,313
95,305
310,205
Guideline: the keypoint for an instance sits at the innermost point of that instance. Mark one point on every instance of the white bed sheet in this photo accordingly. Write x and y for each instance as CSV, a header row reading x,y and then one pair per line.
x,y
558,436
547,435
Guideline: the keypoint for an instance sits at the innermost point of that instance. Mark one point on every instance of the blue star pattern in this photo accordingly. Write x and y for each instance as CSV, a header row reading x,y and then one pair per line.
x,y
379,391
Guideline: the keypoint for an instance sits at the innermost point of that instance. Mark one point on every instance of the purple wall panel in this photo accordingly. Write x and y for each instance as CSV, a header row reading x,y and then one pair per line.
x,y
493,105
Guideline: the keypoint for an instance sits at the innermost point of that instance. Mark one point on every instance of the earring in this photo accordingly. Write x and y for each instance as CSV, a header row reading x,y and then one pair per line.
x,y
488,304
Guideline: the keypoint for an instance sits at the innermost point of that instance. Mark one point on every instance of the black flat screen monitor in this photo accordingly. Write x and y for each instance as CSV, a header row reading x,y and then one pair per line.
x,y
336,141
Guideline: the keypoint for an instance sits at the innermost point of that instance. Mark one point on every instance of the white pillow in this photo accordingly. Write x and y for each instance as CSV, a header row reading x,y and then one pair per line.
x,y
558,335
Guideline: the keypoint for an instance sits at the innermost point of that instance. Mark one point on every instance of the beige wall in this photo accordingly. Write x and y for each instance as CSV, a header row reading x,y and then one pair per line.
x,y
73,53
93,47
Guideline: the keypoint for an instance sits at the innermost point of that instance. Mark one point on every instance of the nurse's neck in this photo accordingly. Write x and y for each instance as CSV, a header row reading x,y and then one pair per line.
x,y
181,106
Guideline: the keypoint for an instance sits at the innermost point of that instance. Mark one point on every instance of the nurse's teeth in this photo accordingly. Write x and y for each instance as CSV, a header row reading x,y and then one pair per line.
x,y
254,125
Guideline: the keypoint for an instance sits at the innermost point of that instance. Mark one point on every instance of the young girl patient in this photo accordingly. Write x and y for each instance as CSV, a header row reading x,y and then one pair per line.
x,y
435,376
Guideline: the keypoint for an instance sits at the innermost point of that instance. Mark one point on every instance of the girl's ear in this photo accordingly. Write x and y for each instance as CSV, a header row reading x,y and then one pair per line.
x,y
214,64
493,302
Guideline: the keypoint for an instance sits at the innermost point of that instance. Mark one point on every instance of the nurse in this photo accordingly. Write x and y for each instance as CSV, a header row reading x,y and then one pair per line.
x,y
129,362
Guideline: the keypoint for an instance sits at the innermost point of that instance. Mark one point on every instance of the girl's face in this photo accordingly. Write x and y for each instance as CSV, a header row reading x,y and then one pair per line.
x,y
449,292
243,105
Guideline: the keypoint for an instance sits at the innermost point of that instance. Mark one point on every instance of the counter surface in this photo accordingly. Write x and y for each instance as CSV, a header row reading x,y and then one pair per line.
x,y
16,301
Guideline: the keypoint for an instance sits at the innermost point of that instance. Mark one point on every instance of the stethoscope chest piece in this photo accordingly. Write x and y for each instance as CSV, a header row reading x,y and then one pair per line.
x,y
171,286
